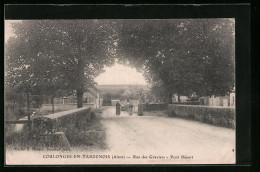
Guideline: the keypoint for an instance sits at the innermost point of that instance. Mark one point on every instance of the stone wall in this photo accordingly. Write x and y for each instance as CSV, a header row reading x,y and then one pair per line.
x,y
59,121
154,106
51,130
63,107
219,116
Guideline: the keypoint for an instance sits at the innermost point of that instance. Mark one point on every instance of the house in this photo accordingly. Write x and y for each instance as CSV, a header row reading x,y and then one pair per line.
x,y
67,100
225,101
113,102
93,95
182,98
216,101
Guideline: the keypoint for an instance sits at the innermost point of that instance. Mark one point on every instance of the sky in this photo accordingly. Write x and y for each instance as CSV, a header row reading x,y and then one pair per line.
x,y
120,74
115,75
8,29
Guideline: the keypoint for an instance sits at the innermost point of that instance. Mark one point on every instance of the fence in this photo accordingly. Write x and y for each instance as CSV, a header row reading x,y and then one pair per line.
x,y
16,106
21,107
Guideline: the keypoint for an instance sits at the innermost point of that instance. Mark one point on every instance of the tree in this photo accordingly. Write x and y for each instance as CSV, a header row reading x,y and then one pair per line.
x,y
49,55
187,56
158,92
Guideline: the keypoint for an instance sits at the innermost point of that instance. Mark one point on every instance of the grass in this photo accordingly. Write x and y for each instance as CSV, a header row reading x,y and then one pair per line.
x,y
89,137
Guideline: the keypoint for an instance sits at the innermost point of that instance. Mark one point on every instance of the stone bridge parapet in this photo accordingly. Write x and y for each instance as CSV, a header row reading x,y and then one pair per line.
x,y
52,129
58,121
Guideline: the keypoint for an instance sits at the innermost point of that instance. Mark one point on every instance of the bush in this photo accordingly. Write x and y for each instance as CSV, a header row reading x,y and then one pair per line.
x,y
219,116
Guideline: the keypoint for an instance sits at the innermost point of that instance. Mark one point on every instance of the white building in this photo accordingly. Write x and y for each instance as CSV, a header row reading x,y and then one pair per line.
x,y
182,98
93,95
225,101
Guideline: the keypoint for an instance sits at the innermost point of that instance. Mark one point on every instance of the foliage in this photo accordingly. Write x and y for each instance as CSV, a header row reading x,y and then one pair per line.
x,y
158,92
132,92
120,94
188,56
47,56
177,56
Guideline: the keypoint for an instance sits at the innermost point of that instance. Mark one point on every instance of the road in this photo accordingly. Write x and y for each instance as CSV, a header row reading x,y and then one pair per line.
x,y
144,140
172,138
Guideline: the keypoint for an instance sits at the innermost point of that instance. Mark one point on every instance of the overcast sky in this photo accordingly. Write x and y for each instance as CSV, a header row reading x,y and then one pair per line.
x,y
120,74
8,29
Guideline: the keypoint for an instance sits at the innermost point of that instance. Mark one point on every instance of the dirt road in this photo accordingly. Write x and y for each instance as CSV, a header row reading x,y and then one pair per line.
x,y
144,140
167,139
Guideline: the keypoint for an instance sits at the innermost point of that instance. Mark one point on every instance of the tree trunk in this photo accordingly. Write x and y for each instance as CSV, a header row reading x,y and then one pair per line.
x,y
13,105
179,99
52,103
80,89
79,98
170,98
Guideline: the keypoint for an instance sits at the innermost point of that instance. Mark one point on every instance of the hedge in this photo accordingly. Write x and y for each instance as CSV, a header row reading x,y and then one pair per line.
x,y
219,116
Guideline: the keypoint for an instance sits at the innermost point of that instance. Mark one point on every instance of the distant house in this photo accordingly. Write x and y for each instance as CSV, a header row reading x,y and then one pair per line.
x,y
182,98
226,101
216,101
93,95
134,102
113,102
69,99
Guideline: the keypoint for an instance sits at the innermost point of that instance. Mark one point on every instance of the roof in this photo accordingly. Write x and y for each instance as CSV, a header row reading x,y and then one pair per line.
x,y
92,90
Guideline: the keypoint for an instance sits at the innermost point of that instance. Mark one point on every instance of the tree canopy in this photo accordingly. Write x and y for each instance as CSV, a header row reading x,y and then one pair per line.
x,y
185,55
48,55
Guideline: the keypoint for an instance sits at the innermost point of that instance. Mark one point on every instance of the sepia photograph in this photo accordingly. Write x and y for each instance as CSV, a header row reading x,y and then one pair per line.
x,y
120,91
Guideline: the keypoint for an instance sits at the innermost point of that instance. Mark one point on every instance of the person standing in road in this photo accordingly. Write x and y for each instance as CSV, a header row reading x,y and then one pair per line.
x,y
130,109
118,108
140,108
